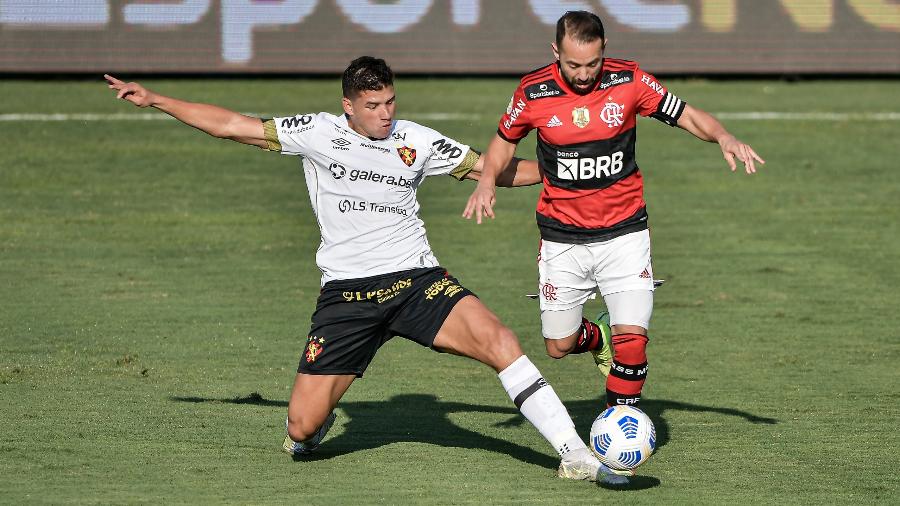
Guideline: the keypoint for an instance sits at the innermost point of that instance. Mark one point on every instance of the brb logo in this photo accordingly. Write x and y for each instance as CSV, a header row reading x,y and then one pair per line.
x,y
575,168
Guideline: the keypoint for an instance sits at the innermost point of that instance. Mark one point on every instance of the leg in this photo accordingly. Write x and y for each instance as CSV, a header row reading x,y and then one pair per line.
x,y
473,331
313,398
630,316
566,283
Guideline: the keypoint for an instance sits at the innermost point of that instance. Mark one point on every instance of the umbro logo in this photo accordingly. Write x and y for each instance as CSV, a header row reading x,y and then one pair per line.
x,y
554,122
341,143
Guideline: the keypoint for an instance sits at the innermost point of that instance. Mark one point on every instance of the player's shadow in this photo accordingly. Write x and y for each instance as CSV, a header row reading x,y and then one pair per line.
x,y
420,418
423,418
584,412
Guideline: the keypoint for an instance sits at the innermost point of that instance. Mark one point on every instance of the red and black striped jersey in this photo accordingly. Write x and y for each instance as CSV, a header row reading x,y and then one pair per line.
x,y
593,189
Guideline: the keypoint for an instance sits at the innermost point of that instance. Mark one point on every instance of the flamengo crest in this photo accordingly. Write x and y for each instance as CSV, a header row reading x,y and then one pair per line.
x,y
612,114
581,117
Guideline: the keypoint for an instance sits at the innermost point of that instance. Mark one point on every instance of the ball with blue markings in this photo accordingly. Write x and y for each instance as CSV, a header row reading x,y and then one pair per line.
x,y
623,437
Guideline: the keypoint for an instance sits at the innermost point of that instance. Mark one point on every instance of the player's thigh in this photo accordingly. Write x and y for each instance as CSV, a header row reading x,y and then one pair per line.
x,y
566,280
561,324
473,331
623,263
630,307
313,397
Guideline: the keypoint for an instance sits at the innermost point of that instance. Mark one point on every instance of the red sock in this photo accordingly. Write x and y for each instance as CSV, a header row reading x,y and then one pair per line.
x,y
628,371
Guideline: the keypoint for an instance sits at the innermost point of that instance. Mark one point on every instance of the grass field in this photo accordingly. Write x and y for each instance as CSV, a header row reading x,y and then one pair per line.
x,y
156,287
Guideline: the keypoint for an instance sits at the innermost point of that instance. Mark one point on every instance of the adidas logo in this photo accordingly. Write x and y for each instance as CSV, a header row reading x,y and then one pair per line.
x,y
554,122
645,274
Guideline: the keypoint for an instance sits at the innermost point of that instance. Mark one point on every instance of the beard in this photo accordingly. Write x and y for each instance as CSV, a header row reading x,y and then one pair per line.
x,y
588,86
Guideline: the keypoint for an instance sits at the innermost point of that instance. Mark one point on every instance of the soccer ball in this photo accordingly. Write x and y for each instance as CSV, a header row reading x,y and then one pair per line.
x,y
623,437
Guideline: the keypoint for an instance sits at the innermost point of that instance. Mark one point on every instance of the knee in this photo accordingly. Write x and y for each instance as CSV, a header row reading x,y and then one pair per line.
x,y
556,348
301,428
504,348
630,348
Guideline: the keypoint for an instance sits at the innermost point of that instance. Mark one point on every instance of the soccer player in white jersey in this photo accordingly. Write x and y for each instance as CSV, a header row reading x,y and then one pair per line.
x,y
379,276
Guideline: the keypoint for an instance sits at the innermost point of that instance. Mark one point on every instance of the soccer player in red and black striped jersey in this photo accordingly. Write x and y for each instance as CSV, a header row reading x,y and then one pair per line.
x,y
591,213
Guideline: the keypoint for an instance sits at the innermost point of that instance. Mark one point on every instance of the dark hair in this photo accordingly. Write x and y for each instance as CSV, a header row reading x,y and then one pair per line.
x,y
580,26
366,73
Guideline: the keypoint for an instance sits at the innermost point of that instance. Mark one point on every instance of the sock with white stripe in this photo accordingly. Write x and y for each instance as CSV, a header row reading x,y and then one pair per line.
x,y
538,403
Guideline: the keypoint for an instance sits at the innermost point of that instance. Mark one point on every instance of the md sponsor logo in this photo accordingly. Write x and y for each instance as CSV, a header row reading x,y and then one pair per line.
x,y
446,149
297,124
579,169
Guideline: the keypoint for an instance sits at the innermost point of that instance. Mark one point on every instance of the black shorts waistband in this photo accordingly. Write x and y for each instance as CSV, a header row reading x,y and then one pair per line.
x,y
339,283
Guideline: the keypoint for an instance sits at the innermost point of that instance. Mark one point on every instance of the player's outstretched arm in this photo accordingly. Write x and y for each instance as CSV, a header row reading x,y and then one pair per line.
x,y
214,120
481,202
707,128
517,173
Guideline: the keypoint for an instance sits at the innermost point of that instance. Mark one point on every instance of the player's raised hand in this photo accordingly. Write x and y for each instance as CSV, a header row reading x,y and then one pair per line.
x,y
132,92
733,148
481,202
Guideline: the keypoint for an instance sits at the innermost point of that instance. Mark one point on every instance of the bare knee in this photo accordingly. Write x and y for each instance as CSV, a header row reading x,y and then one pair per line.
x,y
504,348
301,428
559,348
556,348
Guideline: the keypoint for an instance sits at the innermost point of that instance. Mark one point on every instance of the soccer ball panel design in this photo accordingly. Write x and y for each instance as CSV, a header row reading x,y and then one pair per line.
x,y
623,437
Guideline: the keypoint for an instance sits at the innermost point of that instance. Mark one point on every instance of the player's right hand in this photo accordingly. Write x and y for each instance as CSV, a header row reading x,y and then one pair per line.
x,y
132,92
481,202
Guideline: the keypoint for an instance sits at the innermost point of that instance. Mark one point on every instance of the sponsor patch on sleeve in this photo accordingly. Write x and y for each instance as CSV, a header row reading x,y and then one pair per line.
x,y
467,165
271,133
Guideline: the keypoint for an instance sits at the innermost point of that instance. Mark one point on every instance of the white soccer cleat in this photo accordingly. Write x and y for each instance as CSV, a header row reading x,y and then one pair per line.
x,y
585,466
311,444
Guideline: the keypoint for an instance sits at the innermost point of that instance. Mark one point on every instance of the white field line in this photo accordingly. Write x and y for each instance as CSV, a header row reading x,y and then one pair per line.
x,y
448,116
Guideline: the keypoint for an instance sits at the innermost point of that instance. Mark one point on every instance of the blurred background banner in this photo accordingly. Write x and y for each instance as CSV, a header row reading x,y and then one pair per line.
x,y
443,36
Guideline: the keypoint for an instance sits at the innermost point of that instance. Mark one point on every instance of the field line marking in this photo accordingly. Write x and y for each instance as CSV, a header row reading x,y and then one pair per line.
x,y
448,116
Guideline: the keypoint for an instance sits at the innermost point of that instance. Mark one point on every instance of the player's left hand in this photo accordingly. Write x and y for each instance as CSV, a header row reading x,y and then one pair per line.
x,y
733,148
481,202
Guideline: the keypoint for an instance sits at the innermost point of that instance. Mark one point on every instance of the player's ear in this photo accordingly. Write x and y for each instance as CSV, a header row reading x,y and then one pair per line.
x,y
555,50
348,106
603,46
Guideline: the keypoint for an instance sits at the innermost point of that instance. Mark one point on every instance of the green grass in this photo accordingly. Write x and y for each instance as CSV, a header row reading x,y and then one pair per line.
x,y
156,287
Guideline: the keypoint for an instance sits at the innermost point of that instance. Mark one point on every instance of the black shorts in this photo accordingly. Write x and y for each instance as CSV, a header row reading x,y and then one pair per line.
x,y
354,317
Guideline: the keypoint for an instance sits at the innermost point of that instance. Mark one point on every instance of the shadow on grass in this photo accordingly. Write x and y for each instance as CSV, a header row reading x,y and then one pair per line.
x,y
423,418
420,418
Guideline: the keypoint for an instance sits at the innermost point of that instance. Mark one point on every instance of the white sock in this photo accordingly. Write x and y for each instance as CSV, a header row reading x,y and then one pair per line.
x,y
538,402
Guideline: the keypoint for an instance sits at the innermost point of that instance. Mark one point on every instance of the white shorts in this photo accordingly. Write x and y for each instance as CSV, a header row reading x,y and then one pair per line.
x,y
571,273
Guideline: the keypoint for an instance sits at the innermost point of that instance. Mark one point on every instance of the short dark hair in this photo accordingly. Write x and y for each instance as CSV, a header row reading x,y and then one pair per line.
x,y
366,73
581,26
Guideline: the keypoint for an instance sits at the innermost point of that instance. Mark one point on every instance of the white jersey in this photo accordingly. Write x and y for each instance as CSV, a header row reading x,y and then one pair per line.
x,y
363,191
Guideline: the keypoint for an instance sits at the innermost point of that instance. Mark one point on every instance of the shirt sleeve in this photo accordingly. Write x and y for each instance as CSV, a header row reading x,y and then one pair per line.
x,y
515,124
655,101
447,156
291,135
